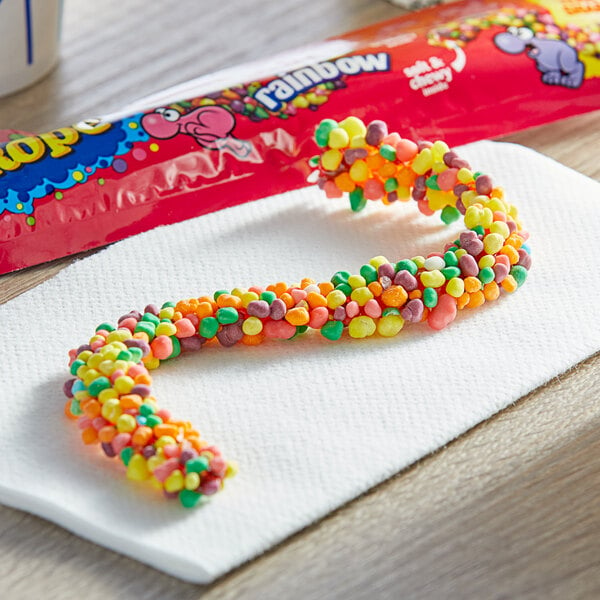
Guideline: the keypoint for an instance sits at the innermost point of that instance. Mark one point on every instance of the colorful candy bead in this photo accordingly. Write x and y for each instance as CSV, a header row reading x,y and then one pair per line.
x,y
110,393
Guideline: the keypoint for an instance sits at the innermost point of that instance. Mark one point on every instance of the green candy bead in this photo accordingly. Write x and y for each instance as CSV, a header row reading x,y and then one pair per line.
x,y
268,297
105,326
146,327
227,315
126,455
519,273
450,272
407,265
168,305
99,384
390,310
261,112
75,408
346,288
357,199
479,230
450,259
75,365
369,272
390,184
146,410
430,297
125,355
197,464
332,330
189,498
432,183
323,131
136,354
340,277
450,214
486,275
388,152
208,327
153,420
219,293
176,347
150,318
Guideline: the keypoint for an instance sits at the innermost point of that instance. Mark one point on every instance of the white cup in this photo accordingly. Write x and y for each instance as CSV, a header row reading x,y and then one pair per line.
x,y
29,34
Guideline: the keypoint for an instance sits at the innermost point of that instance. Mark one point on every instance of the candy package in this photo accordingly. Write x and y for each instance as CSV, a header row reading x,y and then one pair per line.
x,y
461,72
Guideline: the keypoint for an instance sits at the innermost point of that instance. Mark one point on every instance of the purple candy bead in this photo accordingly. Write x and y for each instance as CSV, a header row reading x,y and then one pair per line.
x,y
460,207
500,272
420,183
339,314
524,259
376,131
83,348
386,270
210,487
412,311
392,197
230,334
259,308
141,344
484,185
468,266
353,154
141,389
449,157
192,343
406,280
278,309
418,194
152,309
170,495
68,387
148,451
460,163
459,188
424,144
512,226
186,455
471,243
108,449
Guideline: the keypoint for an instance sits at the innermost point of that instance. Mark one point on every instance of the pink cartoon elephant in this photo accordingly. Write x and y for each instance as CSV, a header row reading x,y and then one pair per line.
x,y
210,126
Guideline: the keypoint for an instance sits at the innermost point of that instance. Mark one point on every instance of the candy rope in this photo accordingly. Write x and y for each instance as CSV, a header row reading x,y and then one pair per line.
x,y
110,395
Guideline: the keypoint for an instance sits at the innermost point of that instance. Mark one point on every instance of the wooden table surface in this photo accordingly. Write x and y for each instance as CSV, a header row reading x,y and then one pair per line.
x,y
509,510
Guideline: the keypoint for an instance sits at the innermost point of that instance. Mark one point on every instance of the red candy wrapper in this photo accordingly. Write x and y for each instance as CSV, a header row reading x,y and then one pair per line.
x,y
458,72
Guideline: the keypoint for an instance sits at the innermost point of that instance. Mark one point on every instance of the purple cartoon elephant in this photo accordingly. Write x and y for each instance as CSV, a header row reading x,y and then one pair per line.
x,y
555,59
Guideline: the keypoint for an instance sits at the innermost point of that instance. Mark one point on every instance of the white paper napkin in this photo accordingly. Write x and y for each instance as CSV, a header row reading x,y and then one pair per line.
x,y
311,423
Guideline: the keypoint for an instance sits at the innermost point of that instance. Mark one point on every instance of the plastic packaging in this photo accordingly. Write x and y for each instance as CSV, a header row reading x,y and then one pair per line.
x,y
458,72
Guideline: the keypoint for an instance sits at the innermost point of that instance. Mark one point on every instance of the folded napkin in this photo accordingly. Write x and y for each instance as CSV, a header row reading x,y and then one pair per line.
x,y
311,423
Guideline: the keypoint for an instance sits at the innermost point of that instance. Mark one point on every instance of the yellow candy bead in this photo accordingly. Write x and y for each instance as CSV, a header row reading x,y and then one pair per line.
x,y
465,176
331,160
472,217
460,252
361,327
492,243
95,361
137,469
252,326
192,481
496,204
487,218
356,281
248,297
106,367
433,278
119,335
377,261
468,198
439,167
166,328
455,287
107,394
85,355
359,171
123,384
239,292
358,141
90,376
126,423
174,482
390,325
438,150
419,261
353,127
501,228
81,395
232,469
155,461
121,364
423,161
361,295
152,363
335,298
165,440
338,138
111,410
166,313
486,261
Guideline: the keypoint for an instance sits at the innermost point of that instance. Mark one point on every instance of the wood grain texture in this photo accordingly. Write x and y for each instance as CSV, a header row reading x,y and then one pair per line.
x,y
509,510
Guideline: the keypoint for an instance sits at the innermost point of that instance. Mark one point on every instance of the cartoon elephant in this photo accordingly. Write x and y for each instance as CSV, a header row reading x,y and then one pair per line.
x,y
555,59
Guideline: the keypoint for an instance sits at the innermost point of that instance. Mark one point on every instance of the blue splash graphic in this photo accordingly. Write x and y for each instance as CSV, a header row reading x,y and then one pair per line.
x,y
19,189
